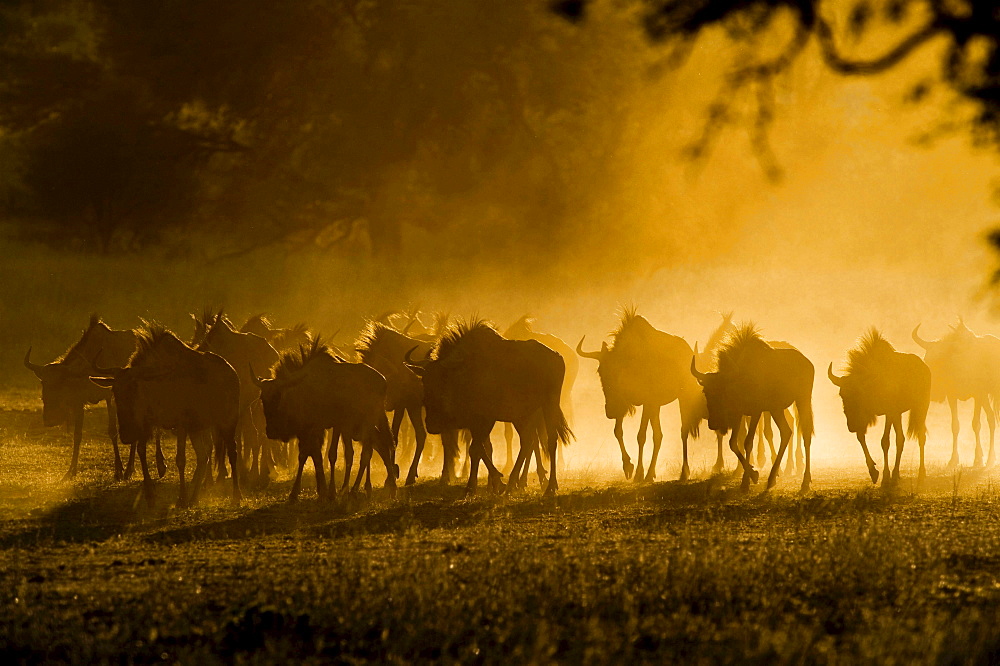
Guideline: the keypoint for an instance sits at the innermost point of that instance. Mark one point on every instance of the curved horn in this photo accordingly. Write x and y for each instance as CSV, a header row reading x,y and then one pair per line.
x,y
920,341
414,366
253,375
103,372
596,355
34,367
838,381
700,376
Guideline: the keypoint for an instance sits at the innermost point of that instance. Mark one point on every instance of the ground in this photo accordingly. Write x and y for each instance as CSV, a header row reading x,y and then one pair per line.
x,y
608,571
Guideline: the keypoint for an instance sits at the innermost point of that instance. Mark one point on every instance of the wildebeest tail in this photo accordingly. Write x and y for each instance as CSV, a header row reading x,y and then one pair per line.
x,y
386,445
564,435
693,412
805,413
916,423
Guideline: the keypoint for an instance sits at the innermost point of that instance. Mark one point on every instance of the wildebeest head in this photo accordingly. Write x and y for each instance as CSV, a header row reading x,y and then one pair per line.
x,y
439,398
64,386
859,414
722,416
130,403
944,357
611,370
279,421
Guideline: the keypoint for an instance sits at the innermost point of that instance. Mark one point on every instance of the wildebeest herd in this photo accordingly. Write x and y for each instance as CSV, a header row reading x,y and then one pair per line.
x,y
248,398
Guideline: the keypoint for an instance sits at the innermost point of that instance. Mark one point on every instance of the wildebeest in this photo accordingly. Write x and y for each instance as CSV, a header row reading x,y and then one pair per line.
x,y
312,391
881,381
385,349
706,360
66,388
754,378
167,384
281,339
243,350
476,378
963,366
648,367
523,329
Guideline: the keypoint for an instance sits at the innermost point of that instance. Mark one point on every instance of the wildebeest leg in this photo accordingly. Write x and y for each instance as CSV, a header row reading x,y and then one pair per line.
x,y
953,406
720,462
147,482
331,454
264,445
627,465
897,425
201,442
449,445
161,463
991,421
528,444
228,436
220,456
807,440
886,470
734,445
304,452
181,459
785,432
113,434
654,420
316,448
641,438
750,475
77,438
348,460
685,469
508,436
872,468
764,434
421,436
541,435
551,421
977,408
799,455
130,465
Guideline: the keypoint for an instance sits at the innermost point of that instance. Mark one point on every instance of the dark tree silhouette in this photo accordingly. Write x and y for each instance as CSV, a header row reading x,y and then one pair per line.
x,y
855,38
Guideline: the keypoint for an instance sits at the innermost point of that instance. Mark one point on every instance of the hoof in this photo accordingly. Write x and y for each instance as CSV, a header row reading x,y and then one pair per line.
x,y
754,475
650,476
921,475
719,468
70,475
685,473
873,473
639,476
410,480
628,468
953,463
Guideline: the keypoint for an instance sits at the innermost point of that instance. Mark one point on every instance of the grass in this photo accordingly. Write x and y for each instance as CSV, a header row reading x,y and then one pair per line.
x,y
607,572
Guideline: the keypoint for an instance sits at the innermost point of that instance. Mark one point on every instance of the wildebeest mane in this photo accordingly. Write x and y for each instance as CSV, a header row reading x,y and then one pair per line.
x,y
293,360
870,350
629,322
148,336
745,336
375,336
462,330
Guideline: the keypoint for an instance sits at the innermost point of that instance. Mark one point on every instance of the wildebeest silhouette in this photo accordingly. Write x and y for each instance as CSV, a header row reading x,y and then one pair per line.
x,y
167,384
648,367
523,329
66,389
476,378
312,391
963,366
243,350
384,349
754,378
881,381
